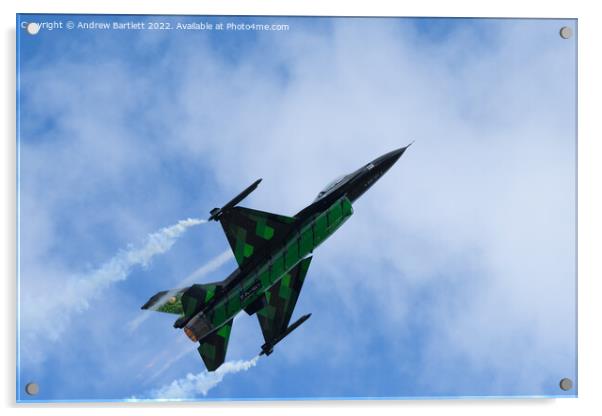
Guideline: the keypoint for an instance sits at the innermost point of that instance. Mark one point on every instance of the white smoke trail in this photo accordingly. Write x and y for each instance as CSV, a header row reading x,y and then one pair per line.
x,y
56,310
120,266
213,264
192,385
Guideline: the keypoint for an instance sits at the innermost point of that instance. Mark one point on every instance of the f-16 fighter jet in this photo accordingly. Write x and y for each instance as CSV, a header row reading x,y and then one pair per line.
x,y
273,253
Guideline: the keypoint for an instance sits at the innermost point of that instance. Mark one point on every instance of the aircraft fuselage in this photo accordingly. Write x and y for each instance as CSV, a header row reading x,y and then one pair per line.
x,y
248,286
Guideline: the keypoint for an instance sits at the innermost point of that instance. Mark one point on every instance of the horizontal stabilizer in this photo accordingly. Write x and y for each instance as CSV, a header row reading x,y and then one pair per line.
x,y
214,346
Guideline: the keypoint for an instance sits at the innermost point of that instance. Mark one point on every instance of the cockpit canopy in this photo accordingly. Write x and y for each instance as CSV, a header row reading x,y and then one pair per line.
x,y
330,187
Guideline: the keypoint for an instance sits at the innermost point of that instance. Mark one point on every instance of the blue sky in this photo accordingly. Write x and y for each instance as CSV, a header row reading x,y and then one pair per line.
x,y
455,276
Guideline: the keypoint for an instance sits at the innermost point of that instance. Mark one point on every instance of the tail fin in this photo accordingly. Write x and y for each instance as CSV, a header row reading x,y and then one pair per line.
x,y
168,301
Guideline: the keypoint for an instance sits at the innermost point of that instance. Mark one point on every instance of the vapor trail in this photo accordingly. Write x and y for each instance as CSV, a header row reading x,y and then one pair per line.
x,y
212,265
120,266
56,310
194,384
171,358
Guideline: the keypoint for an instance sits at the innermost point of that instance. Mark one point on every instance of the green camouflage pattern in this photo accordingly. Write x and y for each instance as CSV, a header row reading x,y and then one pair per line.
x,y
167,302
173,305
280,300
214,346
251,231
196,298
273,253
292,251
271,287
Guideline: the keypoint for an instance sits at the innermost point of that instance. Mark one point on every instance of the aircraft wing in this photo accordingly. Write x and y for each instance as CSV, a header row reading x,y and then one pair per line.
x,y
214,346
280,302
249,231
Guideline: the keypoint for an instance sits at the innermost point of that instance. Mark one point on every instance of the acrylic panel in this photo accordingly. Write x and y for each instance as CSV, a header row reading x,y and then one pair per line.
x,y
413,235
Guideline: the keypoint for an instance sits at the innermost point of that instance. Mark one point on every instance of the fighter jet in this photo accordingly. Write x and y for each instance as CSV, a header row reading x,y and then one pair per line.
x,y
273,253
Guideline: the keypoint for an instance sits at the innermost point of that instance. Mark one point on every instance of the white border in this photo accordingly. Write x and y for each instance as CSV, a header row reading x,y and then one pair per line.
x,y
590,206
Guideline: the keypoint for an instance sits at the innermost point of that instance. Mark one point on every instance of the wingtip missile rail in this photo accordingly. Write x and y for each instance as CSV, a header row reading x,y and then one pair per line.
x,y
217,212
268,348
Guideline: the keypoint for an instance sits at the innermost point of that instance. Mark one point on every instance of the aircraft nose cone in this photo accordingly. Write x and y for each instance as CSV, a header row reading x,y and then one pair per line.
x,y
393,156
366,176
396,154
388,159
